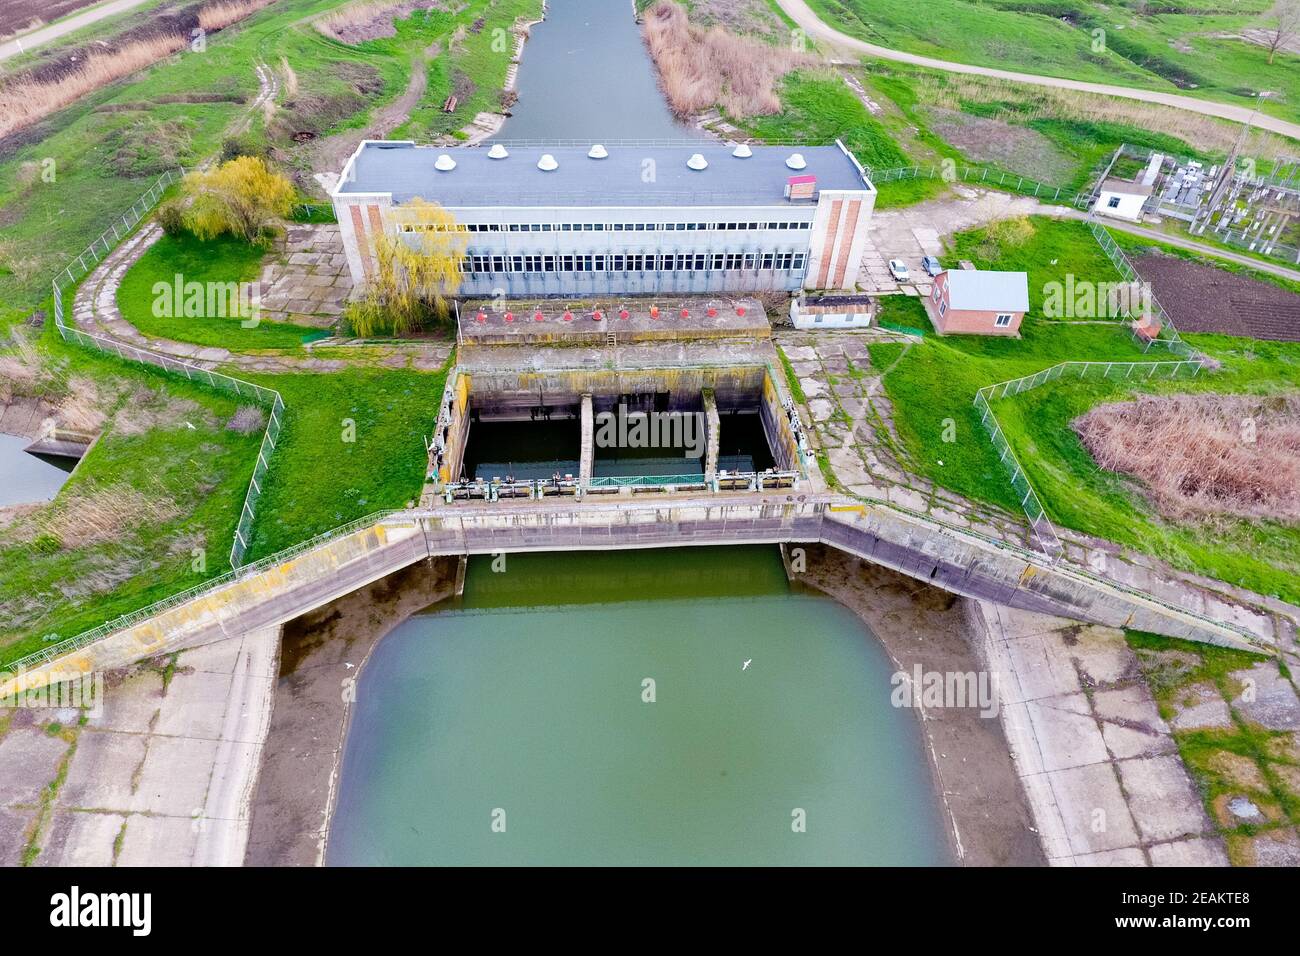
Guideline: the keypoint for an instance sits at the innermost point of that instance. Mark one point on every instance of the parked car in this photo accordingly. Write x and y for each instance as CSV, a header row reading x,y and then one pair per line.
x,y
931,266
898,269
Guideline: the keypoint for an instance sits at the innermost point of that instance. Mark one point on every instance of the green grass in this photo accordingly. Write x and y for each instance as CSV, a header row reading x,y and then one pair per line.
x,y
818,108
318,479
203,471
1055,249
934,381
1031,38
221,260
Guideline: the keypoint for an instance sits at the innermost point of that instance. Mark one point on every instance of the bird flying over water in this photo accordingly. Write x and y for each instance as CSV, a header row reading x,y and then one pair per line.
x,y
745,666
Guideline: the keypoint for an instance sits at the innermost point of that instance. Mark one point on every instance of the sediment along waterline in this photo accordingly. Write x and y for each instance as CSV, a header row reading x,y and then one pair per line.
x,y
596,708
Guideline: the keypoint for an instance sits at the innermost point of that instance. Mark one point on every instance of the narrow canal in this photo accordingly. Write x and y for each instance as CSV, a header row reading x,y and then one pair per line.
x,y
586,75
526,706
25,478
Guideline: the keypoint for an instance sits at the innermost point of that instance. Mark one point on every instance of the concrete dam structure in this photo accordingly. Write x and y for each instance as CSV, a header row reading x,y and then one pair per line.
x,y
270,594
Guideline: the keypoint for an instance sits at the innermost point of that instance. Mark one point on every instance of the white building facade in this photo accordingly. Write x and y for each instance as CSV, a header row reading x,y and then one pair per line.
x,y
621,221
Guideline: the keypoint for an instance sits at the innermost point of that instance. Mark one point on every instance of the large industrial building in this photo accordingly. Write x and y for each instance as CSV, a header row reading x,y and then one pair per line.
x,y
593,221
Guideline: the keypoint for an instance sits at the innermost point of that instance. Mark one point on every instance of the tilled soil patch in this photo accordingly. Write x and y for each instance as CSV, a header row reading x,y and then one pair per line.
x,y
1202,298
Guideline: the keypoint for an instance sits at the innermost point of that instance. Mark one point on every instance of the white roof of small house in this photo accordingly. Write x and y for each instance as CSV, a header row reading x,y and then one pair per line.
x,y
981,290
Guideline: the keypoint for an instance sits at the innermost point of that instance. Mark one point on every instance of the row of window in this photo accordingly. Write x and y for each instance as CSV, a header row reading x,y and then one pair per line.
x,y
601,226
636,262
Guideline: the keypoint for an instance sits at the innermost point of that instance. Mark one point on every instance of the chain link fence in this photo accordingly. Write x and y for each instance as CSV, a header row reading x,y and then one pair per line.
x,y
1167,336
984,175
1044,531
94,254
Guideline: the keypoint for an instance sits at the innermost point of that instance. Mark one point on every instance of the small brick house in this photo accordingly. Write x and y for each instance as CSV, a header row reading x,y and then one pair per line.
x,y
978,302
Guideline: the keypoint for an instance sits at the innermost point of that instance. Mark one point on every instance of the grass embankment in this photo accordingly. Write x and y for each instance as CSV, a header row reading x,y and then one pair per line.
x,y
352,444
218,261
62,184
1258,554
936,380
150,511
1162,51
1239,760
157,488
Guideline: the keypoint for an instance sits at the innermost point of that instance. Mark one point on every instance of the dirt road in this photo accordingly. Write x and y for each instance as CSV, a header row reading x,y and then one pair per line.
x,y
802,14
44,35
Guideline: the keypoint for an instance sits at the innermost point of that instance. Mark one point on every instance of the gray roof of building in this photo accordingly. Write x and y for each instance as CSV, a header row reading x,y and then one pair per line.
x,y
407,170
993,291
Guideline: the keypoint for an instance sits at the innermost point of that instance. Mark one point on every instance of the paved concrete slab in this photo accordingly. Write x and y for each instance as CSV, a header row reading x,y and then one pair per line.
x,y
37,754
14,824
1093,809
195,705
1267,698
1194,852
174,776
130,704
81,839
1200,706
1102,655
158,841
1162,799
101,774
1131,724
1066,731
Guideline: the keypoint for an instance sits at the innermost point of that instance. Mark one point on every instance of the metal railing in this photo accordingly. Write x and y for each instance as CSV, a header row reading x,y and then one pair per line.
x,y
1167,335
92,256
1044,531
980,174
131,618
647,481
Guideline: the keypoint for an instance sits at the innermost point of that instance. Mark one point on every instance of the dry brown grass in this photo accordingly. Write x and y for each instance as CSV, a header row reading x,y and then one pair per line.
x,y
216,16
25,100
367,19
1204,455
290,79
82,409
92,514
1204,132
700,69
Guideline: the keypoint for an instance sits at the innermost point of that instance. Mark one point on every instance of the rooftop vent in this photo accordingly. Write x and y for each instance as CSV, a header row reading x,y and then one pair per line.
x,y
444,163
497,152
697,161
598,152
796,161
742,152
547,163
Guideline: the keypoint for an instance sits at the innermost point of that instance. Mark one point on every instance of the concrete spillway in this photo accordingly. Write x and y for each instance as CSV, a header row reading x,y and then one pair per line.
x,y
959,562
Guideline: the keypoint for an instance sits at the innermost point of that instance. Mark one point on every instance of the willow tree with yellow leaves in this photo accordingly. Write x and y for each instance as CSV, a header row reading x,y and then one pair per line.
x,y
242,197
416,271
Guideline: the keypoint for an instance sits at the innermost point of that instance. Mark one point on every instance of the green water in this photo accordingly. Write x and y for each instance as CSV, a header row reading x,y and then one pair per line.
x,y
527,698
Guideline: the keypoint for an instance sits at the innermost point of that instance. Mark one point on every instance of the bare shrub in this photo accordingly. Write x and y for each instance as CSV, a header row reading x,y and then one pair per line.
x,y
1204,455
247,419
215,16
700,69
12,260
